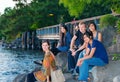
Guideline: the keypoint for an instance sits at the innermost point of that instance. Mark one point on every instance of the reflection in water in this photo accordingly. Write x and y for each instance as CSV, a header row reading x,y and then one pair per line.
x,y
14,62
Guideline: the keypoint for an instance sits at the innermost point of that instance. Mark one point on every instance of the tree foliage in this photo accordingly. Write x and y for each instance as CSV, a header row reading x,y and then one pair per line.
x,y
30,16
114,5
118,26
88,8
108,20
40,13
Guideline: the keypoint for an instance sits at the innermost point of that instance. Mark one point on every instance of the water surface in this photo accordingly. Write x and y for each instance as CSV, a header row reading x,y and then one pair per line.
x,y
14,62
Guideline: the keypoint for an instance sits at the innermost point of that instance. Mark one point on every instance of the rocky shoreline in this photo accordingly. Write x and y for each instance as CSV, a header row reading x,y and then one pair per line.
x,y
108,73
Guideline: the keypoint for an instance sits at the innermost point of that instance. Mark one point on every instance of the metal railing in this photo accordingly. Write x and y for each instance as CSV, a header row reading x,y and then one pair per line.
x,y
52,32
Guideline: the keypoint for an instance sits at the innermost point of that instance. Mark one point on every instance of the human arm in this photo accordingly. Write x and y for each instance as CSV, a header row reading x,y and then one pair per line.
x,y
99,36
53,55
72,43
86,57
80,48
58,44
87,51
47,69
49,62
68,39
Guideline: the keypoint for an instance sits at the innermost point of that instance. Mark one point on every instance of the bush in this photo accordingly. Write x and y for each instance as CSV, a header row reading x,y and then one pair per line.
x,y
118,26
108,20
116,57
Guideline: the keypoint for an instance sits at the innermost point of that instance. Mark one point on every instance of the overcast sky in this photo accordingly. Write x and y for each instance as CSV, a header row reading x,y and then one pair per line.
x,y
6,3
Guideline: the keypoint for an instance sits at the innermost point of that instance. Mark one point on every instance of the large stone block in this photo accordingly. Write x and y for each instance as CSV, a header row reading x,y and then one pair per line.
x,y
106,73
116,79
61,60
20,78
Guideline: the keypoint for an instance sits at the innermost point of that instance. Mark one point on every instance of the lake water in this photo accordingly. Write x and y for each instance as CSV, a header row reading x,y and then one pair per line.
x,y
14,62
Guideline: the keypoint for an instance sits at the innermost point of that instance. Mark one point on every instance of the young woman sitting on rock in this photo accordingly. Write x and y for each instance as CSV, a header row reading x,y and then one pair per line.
x,y
95,55
64,41
48,65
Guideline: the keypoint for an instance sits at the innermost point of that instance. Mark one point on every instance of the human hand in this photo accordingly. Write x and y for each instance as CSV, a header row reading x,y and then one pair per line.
x,y
79,62
85,55
72,50
73,53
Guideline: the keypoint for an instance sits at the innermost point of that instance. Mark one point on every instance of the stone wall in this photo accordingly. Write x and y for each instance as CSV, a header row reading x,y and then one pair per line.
x,y
107,73
115,48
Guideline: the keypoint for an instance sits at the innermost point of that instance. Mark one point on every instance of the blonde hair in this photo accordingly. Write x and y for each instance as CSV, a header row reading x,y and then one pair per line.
x,y
81,23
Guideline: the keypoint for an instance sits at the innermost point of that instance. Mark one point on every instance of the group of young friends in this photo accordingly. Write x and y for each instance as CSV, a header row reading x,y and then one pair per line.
x,y
84,51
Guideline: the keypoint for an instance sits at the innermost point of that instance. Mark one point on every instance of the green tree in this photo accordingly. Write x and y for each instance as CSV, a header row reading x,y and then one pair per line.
x,y
114,5
30,16
88,8
48,12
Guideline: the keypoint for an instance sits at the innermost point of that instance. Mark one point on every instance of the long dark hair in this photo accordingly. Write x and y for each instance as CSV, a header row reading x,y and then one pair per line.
x,y
93,24
89,34
64,26
62,35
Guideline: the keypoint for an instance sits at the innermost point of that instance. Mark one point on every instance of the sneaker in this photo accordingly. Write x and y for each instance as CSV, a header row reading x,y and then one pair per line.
x,y
38,63
74,73
70,71
75,77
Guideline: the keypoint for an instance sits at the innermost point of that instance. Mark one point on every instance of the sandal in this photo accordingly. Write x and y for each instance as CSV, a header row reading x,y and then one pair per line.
x,y
38,63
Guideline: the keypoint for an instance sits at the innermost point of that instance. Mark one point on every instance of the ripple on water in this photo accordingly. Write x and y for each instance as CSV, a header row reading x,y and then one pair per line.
x,y
16,62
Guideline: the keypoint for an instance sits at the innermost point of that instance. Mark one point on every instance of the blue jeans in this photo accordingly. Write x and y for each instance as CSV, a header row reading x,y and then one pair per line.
x,y
81,54
84,68
72,60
